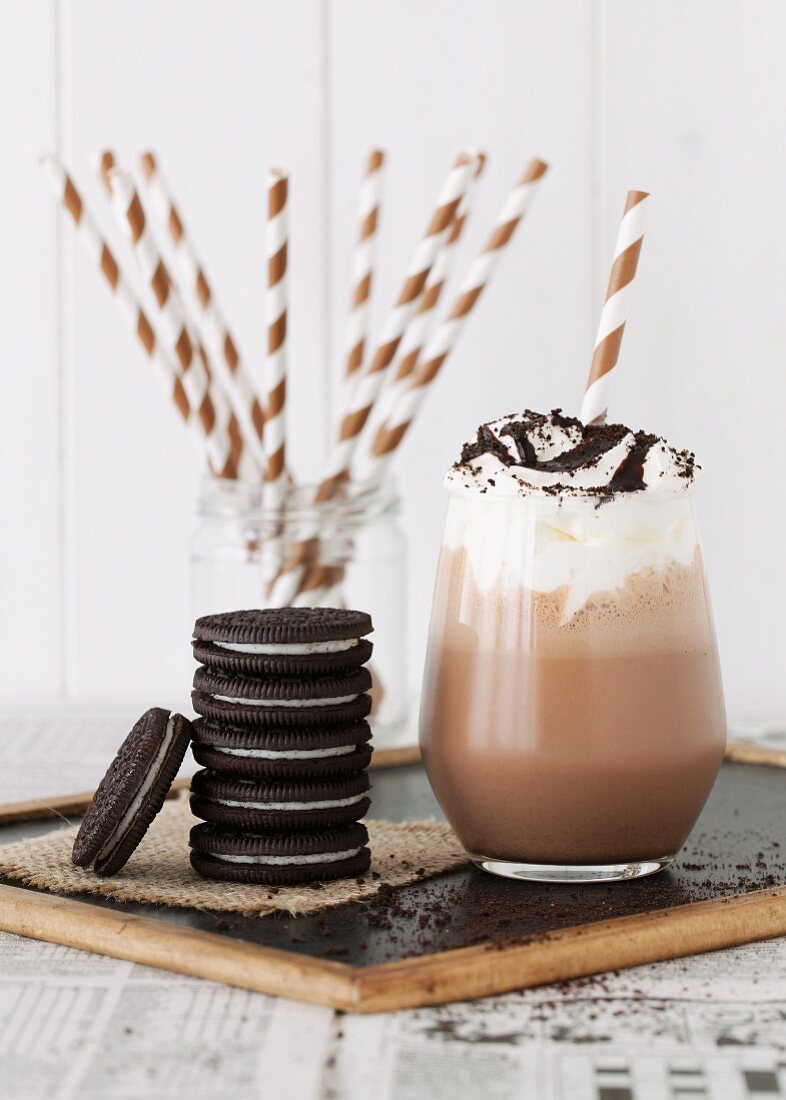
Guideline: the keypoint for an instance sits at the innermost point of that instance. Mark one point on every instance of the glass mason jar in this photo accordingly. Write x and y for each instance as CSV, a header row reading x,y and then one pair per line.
x,y
572,722
347,552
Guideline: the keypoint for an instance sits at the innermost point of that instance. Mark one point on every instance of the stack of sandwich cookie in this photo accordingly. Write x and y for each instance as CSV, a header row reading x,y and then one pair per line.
x,y
283,739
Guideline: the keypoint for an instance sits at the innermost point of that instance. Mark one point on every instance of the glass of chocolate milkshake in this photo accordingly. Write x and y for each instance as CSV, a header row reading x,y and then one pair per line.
x,y
572,722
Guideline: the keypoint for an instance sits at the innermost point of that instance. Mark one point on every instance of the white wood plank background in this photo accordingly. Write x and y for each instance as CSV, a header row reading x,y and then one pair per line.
x,y
97,477
30,411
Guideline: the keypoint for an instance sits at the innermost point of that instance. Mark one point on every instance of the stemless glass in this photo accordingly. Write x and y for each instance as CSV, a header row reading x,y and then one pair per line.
x,y
572,721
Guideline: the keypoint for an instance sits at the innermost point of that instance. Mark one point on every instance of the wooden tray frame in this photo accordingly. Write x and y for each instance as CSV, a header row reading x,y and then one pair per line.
x,y
459,974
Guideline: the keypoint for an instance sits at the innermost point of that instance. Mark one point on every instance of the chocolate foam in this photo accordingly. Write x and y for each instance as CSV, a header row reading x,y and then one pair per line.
x,y
558,455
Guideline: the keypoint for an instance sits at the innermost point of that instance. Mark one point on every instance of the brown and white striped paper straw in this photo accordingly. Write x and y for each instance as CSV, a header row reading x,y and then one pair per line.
x,y
223,436
302,580
439,346
190,360
362,269
615,309
420,326
320,584
369,382
225,356
276,359
121,289
221,428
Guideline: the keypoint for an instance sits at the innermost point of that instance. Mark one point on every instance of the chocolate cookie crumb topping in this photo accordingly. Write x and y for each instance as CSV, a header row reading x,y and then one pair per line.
x,y
556,455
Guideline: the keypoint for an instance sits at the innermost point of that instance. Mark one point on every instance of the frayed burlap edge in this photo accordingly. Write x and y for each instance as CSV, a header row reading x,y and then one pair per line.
x,y
159,872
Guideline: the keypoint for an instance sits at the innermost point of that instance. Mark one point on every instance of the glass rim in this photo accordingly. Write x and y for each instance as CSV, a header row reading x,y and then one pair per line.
x,y
224,498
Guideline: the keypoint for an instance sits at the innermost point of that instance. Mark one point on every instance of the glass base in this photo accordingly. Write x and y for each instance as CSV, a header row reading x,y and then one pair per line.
x,y
572,872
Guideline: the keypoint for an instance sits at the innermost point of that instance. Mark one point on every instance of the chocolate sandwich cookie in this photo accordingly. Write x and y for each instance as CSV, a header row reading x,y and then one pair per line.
x,y
277,860
281,807
261,753
132,791
281,703
286,641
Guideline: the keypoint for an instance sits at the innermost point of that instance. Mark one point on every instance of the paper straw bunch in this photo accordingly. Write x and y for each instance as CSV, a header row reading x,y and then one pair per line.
x,y
236,409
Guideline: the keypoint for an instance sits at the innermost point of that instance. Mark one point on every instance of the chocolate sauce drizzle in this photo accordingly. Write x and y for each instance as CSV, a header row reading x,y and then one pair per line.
x,y
629,475
487,444
589,452
519,433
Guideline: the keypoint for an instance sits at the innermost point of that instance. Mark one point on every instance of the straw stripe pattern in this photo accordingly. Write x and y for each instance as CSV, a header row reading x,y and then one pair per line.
x,y
369,382
615,309
303,581
276,310
192,362
436,351
303,584
421,324
226,358
97,248
298,583
362,272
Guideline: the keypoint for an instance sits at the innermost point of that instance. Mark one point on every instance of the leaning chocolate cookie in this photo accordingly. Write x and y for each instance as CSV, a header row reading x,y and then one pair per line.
x,y
273,860
132,791
271,754
283,702
281,807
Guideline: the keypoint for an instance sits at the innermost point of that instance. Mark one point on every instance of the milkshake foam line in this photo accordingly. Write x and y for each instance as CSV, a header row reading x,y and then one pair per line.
x,y
544,545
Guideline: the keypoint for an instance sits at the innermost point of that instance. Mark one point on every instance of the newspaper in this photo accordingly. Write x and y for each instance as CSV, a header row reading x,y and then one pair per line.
x,y
76,1025
709,1026
52,754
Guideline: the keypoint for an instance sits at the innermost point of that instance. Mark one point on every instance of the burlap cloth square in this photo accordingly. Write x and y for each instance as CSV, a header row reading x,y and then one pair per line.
x,y
159,872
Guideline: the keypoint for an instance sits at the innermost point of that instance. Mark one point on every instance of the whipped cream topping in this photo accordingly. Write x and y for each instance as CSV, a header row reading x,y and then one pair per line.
x,y
559,456
544,502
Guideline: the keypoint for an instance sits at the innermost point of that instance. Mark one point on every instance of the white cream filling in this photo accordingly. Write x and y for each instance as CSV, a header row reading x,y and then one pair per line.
x,y
324,804
285,649
286,702
287,861
289,754
120,829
